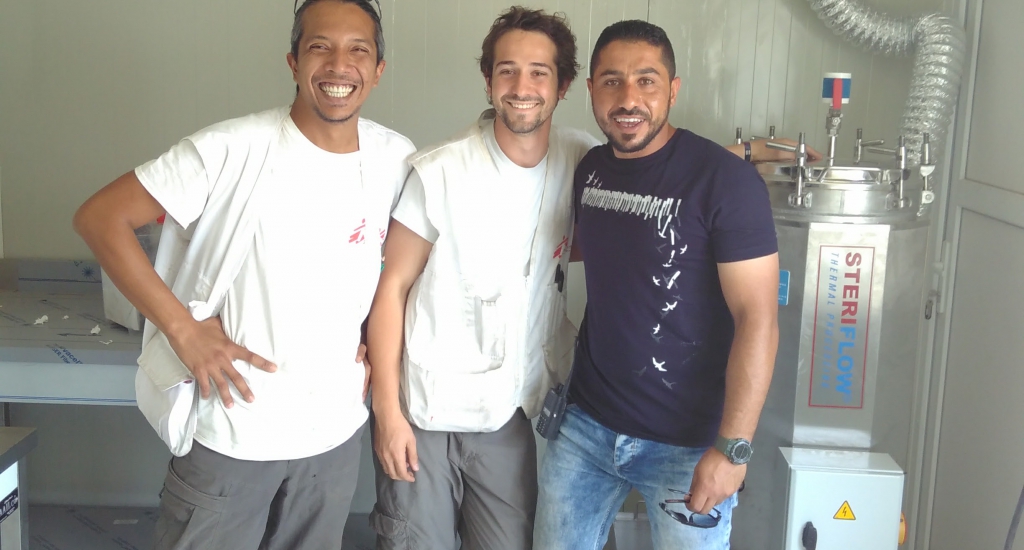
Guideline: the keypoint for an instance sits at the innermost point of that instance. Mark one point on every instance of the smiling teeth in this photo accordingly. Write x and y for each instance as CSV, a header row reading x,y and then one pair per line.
x,y
523,105
337,91
630,120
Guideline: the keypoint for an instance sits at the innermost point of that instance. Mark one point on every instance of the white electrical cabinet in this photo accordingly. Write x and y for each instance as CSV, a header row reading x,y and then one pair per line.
x,y
839,500
15,443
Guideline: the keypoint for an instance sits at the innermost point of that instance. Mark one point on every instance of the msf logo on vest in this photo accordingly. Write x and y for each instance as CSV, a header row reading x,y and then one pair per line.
x,y
562,247
358,235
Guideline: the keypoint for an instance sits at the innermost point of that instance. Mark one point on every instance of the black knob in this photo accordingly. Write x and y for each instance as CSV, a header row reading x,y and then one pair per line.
x,y
810,537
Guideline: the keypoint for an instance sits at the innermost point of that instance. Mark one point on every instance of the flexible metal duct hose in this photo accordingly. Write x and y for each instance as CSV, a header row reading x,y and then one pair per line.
x,y
939,44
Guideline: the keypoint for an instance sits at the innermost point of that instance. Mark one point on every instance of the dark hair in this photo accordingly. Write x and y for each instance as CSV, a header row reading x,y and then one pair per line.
x,y
365,5
636,31
554,26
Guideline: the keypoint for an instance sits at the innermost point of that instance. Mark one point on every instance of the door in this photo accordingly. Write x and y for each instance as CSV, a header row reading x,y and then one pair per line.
x,y
975,437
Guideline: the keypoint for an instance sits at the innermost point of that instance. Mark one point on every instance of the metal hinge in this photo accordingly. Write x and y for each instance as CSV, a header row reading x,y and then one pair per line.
x,y
940,276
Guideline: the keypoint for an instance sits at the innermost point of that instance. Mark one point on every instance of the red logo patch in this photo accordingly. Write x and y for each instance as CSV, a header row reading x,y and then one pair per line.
x,y
561,247
357,234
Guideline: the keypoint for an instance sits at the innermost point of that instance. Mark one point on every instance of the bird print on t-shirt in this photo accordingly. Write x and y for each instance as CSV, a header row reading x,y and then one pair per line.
x,y
671,249
655,335
665,214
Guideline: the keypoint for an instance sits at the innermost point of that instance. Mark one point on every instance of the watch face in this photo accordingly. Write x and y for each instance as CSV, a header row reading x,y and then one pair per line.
x,y
741,452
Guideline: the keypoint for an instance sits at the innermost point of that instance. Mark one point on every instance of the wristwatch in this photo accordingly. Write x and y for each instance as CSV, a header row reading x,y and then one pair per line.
x,y
738,451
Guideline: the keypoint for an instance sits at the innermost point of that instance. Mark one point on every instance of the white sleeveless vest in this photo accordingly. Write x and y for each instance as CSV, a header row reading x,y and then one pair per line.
x,y
473,356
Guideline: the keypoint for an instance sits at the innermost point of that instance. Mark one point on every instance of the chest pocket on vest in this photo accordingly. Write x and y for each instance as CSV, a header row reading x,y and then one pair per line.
x,y
490,329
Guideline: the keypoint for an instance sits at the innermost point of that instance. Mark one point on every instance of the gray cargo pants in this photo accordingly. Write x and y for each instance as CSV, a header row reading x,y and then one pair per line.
x,y
477,487
213,501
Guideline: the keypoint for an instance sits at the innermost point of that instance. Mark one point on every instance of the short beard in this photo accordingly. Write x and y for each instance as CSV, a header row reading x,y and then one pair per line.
x,y
622,147
523,128
329,120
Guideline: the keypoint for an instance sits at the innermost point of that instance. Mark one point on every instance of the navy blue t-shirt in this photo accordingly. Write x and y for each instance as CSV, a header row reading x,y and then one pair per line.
x,y
658,331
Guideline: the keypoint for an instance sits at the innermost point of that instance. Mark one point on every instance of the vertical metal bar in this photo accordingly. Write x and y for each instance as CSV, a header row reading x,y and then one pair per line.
x,y
858,150
901,160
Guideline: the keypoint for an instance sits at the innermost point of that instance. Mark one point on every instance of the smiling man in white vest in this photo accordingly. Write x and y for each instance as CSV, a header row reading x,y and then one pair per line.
x,y
255,290
474,280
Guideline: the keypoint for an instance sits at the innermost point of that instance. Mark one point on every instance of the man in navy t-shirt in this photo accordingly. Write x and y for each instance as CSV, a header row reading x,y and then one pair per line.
x,y
678,343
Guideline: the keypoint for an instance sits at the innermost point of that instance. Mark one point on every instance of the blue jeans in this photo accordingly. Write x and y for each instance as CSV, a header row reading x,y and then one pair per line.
x,y
589,470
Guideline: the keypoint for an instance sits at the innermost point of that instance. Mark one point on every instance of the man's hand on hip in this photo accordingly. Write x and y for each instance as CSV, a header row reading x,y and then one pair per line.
x,y
208,353
714,480
395,445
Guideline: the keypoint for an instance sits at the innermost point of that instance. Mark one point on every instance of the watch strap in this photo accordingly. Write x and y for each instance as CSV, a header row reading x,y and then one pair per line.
x,y
726,447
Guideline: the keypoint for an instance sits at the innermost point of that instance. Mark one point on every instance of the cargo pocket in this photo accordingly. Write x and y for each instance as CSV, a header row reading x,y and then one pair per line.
x,y
392,533
188,517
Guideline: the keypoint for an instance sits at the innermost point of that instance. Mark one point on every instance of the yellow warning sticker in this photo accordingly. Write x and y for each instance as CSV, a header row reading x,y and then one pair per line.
x,y
845,512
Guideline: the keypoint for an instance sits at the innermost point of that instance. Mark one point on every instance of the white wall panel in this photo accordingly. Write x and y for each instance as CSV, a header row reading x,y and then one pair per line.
x,y
91,89
997,117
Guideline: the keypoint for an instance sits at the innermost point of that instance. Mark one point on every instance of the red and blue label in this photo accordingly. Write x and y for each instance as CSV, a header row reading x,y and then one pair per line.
x,y
835,88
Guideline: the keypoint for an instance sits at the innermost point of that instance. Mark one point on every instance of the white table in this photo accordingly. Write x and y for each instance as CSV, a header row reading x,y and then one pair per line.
x,y
60,360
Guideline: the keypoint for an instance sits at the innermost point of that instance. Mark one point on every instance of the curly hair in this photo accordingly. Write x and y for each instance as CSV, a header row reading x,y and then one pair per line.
x,y
554,26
